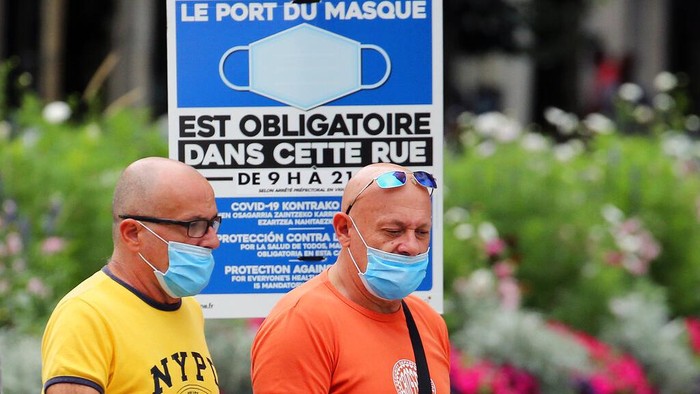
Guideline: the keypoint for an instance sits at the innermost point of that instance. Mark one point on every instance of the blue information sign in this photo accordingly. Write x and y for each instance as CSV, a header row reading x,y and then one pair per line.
x,y
278,104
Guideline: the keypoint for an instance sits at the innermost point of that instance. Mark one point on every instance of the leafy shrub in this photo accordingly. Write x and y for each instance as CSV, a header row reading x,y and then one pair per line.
x,y
56,187
548,201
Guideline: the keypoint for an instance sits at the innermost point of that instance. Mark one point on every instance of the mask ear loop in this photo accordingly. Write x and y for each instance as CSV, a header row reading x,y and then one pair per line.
x,y
363,241
153,232
159,237
358,231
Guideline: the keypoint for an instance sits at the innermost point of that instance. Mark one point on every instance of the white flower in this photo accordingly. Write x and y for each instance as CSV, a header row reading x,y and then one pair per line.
x,y
488,123
569,124
692,122
628,242
643,114
665,81
677,145
565,122
481,281
456,215
630,92
598,123
553,115
487,231
486,148
534,142
623,306
463,231
664,102
497,126
465,119
509,132
567,151
612,213
56,112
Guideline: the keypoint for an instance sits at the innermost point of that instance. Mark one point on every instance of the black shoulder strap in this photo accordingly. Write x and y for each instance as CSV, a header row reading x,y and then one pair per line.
x,y
424,386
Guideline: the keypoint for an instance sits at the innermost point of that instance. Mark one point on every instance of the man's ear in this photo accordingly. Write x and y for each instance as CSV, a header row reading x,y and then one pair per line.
x,y
129,234
341,225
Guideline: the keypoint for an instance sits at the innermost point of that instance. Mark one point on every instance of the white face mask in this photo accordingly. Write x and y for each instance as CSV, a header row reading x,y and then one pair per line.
x,y
309,77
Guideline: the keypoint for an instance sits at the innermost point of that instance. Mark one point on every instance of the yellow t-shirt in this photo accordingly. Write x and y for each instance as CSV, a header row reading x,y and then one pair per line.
x,y
106,335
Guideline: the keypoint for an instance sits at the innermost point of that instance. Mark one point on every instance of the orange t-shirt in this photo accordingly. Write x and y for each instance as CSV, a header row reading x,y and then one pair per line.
x,y
317,341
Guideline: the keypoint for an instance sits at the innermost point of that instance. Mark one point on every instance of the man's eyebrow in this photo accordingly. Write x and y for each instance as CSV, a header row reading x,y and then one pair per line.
x,y
402,223
201,217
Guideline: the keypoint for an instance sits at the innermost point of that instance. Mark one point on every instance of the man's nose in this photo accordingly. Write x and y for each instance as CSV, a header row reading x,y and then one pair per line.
x,y
410,245
210,239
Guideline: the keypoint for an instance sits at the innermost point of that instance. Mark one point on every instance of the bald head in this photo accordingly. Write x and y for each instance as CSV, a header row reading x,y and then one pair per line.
x,y
144,183
161,187
363,177
360,185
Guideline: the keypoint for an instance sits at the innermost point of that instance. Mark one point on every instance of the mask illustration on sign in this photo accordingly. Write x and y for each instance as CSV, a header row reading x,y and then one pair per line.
x,y
304,66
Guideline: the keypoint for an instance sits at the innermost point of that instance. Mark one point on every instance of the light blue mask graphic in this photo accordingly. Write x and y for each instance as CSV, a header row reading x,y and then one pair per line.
x,y
389,275
189,269
304,66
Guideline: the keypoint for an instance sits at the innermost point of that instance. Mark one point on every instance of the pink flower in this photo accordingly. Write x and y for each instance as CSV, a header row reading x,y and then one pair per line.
x,y
614,258
631,226
36,287
467,377
483,377
616,372
255,323
503,269
14,243
494,247
693,327
52,245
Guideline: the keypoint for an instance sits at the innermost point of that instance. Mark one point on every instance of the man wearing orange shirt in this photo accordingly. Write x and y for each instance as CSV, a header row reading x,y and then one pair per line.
x,y
347,330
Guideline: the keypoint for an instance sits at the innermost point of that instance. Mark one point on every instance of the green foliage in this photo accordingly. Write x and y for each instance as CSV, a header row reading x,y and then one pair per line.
x,y
572,226
56,183
548,203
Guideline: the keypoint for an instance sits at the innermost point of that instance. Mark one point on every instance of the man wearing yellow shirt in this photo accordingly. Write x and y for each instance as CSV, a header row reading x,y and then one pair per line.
x,y
133,326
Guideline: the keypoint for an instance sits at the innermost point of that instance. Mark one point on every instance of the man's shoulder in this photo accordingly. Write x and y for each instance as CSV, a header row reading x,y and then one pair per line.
x,y
95,283
418,305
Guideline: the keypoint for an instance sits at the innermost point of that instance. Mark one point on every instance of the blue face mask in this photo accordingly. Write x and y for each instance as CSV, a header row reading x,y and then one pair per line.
x,y
189,268
389,275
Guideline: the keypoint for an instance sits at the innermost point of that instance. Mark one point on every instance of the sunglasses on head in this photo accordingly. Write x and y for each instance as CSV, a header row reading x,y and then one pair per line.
x,y
392,179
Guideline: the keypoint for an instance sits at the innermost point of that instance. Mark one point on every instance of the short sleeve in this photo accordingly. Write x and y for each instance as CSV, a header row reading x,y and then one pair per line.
x,y
77,345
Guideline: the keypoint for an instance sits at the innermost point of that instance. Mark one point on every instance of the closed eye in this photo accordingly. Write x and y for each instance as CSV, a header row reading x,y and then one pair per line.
x,y
394,233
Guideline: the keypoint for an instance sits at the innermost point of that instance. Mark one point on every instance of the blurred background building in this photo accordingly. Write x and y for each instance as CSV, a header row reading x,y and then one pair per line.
x,y
514,56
